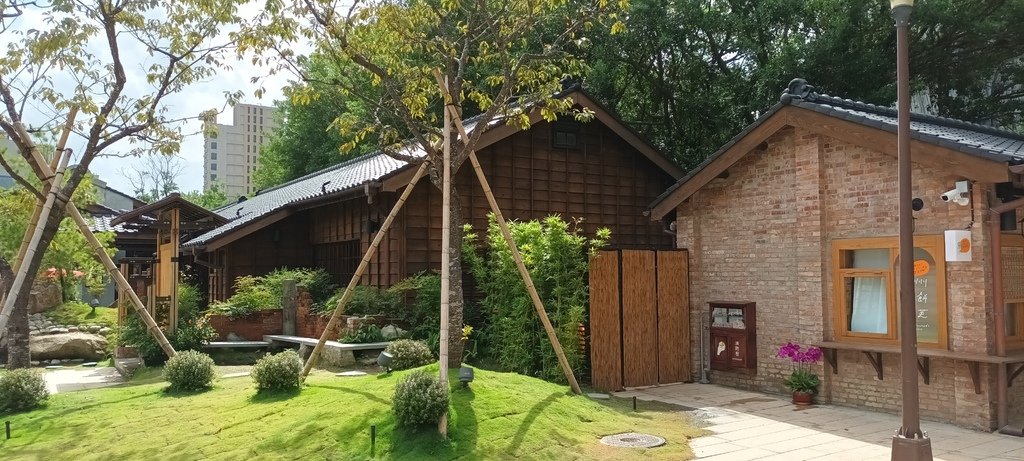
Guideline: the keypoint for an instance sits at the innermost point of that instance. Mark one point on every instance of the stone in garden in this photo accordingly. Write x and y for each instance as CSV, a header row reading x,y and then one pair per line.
x,y
233,337
90,364
55,362
104,331
53,367
598,395
72,329
68,346
391,332
351,373
34,363
94,328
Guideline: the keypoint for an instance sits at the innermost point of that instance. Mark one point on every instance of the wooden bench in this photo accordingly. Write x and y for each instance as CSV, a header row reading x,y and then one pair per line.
x,y
874,354
334,353
233,344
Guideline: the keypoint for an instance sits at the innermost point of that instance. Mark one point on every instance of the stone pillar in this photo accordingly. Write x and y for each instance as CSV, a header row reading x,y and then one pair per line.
x,y
289,307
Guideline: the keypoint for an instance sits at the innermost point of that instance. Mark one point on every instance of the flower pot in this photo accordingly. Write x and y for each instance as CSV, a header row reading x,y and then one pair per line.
x,y
803,398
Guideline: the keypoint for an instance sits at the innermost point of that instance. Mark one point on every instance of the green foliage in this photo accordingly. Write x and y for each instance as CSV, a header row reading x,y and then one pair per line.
x,y
79,313
190,335
190,301
408,353
256,293
189,371
210,199
21,390
366,333
366,300
422,310
557,256
802,380
278,372
737,58
420,398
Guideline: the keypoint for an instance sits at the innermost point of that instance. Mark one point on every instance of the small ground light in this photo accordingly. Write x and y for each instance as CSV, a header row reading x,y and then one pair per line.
x,y
465,376
384,360
634,403
7,427
373,435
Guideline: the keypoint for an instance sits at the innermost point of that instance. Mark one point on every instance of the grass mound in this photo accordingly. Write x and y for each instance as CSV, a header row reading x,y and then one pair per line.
x,y
79,313
501,416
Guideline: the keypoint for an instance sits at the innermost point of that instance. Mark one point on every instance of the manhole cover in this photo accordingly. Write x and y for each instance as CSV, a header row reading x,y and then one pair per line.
x,y
633,440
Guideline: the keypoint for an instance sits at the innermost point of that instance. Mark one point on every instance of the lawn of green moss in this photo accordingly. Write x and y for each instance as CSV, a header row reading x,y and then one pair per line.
x,y
501,416
79,313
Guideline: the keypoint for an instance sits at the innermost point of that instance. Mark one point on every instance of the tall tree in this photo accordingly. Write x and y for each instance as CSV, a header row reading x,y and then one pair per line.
x,y
211,198
690,74
306,138
87,54
156,177
498,57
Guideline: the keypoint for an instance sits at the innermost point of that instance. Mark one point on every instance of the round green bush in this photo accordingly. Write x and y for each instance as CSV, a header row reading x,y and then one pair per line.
x,y
420,398
22,390
277,372
409,353
189,371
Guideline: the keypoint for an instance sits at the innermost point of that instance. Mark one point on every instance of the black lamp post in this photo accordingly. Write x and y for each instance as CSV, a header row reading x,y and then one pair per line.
x,y
909,443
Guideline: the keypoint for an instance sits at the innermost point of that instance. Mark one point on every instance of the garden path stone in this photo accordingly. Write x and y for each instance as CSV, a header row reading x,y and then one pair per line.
x,y
76,379
351,373
236,375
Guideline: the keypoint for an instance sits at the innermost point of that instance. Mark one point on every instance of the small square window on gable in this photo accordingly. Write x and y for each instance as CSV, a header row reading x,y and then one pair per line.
x,y
565,134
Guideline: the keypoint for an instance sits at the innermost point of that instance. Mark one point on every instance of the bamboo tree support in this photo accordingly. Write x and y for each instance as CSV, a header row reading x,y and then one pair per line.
x,y
350,289
68,126
446,257
21,275
83,226
537,303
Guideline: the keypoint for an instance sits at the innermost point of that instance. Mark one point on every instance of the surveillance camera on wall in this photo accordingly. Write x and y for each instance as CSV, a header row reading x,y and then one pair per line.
x,y
961,195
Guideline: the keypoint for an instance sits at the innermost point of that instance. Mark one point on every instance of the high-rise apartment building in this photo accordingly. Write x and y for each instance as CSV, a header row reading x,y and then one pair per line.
x,y
231,155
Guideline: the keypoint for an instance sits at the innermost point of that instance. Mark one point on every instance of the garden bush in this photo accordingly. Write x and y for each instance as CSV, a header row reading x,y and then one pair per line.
x,y
366,333
366,300
189,371
420,398
557,256
277,372
257,293
422,311
21,390
190,335
408,353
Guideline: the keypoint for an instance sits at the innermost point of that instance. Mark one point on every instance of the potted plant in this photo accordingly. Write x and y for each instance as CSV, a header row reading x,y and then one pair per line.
x,y
802,381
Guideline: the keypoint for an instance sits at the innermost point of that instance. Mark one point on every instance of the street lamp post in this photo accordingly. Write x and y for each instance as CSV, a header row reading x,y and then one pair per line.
x,y
909,443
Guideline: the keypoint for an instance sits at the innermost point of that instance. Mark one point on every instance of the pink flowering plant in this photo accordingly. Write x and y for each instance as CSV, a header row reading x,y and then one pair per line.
x,y
802,379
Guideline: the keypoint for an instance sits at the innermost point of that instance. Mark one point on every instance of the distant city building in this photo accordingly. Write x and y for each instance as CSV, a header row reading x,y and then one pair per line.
x,y
230,156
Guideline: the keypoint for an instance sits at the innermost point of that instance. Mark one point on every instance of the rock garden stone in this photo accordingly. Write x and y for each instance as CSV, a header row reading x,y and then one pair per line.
x,y
90,364
94,328
391,332
104,331
68,346
72,329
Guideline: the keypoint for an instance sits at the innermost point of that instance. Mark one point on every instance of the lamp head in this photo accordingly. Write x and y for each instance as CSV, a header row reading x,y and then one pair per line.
x,y
384,360
893,4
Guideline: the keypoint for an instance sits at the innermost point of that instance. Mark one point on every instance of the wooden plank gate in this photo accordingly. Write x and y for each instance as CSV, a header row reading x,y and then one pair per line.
x,y
639,318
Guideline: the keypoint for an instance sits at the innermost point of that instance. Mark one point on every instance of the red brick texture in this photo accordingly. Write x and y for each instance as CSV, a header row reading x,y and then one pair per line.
x,y
764,234
251,327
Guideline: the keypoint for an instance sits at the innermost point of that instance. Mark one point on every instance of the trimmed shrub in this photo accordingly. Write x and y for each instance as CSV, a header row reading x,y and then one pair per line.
x,y
22,390
420,398
366,333
277,372
189,371
190,335
409,353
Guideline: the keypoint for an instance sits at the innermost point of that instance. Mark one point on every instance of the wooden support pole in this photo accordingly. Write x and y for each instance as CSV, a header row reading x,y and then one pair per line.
x,y
538,305
22,275
122,283
349,290
446,256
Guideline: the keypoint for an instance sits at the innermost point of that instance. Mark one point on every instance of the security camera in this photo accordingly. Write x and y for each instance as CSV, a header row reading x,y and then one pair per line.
x,y
960,195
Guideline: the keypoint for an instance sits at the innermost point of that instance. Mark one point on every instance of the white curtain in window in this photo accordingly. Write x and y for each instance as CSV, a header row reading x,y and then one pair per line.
x,y
869,306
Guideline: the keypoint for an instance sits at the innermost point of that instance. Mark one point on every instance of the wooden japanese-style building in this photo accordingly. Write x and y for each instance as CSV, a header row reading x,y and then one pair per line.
x,y
600,172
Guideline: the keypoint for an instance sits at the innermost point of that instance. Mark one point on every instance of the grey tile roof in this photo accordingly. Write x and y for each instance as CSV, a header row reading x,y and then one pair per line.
x,y
336,179
970,138
102,224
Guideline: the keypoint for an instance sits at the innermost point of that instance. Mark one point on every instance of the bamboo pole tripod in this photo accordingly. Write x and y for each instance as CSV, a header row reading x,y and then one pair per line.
x,y
52,182
450,117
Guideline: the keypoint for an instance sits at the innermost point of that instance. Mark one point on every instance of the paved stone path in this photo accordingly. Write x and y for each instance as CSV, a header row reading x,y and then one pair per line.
x,y
76,379
752,426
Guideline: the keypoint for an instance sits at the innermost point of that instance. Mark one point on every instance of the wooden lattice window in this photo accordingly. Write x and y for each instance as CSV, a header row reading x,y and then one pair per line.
x,y
339,259
1013,288
565,134
866,290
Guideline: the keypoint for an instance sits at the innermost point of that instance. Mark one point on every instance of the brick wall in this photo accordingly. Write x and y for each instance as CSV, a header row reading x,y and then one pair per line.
x,y
251,327
764,234
309,324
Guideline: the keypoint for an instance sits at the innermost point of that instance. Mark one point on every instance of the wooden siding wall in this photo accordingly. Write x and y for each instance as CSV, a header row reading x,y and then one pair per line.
x,y
282,244
347,220
605,181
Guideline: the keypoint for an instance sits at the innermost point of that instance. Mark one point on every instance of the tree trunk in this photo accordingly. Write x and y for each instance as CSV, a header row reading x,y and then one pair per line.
x,y
6,278
456,300
18,326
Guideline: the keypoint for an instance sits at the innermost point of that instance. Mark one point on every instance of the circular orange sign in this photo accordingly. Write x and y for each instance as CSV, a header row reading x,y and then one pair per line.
x,y
921,268
964,245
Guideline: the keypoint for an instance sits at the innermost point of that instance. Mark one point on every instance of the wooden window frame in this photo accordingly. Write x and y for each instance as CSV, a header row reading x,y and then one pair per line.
x,y
934,244
568,127
1016,342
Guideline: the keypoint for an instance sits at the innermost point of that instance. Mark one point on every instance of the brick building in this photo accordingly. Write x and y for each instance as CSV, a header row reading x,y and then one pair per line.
x,y
798,214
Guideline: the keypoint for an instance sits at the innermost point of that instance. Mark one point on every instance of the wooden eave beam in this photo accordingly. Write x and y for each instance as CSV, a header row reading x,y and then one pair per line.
x,y
244,230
